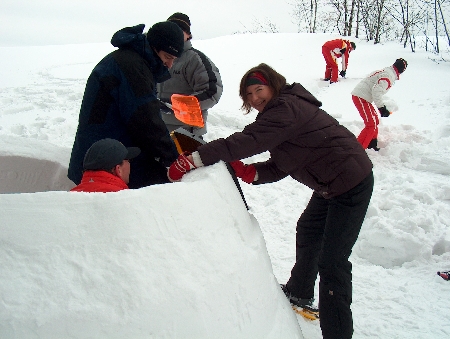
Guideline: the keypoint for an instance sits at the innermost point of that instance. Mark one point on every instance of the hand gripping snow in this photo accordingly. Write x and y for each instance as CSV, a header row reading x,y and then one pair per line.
x,y
187,142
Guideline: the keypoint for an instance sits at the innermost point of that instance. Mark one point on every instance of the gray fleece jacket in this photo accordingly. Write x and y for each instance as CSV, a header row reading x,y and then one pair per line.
x,y
191,74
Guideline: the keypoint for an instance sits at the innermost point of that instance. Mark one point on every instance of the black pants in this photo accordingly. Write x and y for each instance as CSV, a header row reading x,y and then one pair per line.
x,y
326,233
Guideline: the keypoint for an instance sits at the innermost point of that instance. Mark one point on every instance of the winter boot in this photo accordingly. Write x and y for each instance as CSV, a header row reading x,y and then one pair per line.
x,y
300,302
373,144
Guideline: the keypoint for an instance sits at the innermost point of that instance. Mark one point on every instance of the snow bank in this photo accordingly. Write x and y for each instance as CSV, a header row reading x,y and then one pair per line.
x,y
149,263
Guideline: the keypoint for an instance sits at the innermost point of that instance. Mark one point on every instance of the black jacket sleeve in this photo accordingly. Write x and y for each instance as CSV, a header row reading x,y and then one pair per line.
x,y
150,133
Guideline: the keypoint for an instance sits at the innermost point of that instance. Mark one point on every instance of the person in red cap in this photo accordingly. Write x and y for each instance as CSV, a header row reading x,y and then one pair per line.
x,y
371,89
106,167
310,146
331,51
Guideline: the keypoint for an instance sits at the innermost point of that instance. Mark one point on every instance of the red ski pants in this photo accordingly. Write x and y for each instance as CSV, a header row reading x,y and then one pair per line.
x,y
331,68
371,121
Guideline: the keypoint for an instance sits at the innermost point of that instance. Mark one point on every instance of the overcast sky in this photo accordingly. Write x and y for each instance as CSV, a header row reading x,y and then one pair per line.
x,y
49,22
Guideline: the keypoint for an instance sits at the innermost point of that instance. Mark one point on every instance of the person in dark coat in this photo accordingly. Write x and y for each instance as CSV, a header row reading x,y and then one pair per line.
x,y
120,101
310,146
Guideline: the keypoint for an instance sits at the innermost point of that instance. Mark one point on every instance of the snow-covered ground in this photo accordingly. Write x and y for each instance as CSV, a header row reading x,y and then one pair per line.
x,y
186,260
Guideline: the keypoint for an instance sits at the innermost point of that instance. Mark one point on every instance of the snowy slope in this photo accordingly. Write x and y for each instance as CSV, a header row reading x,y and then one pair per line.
x,y
405,238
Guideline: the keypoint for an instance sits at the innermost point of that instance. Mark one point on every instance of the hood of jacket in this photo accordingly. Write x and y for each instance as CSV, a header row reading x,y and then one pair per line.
x,y
135,39
301,92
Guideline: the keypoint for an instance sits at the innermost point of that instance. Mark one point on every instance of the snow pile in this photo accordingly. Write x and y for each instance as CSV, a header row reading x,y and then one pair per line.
x,y
141,263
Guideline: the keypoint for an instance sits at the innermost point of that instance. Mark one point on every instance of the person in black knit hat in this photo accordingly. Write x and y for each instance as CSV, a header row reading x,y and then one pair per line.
x,y
371,89
166,37
192,74
181,20
120,101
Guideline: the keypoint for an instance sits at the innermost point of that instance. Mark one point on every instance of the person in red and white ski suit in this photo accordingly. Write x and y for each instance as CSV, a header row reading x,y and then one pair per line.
x,y
371,89
332,50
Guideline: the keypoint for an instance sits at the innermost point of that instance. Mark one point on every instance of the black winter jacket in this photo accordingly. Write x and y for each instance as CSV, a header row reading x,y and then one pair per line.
x,y
304,142
120,102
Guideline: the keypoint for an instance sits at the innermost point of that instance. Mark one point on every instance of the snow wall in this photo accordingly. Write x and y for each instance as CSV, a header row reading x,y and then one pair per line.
x,y
157,262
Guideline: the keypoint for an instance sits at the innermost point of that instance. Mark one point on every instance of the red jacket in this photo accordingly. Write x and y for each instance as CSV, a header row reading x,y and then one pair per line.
x,y
334,47
100,181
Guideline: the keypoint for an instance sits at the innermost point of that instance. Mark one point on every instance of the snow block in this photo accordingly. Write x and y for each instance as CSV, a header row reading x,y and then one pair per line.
x,y
181,260
29,165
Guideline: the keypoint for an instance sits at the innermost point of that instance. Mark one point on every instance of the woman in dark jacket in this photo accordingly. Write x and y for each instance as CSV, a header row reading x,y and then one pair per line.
x,y
310,146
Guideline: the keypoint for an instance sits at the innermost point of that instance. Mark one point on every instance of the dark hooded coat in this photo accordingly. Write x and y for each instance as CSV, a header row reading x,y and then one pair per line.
x,y
303,141
120,102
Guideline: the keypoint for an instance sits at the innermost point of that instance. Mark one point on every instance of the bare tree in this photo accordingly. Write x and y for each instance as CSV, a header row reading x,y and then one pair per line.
x,y
350,20
443,21
379,19
305,13
410,16
358,6
340,15
261,26
436,27
375,20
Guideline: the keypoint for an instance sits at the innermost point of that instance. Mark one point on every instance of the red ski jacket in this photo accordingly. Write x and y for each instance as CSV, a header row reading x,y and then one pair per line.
x,y
100,181
334,48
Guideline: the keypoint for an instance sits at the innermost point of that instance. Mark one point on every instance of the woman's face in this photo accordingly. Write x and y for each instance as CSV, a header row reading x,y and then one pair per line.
x,y
258,96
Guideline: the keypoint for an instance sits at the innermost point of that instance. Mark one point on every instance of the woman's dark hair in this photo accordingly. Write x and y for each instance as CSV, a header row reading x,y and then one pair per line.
x,y
274,79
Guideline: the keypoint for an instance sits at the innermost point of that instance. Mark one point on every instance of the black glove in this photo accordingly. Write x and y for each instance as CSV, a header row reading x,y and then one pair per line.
x,y
342,73
384,112
343,50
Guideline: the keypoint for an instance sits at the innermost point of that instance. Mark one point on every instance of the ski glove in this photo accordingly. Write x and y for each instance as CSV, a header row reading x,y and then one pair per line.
x,y
342,73
180,167
246,172
384,112
343,50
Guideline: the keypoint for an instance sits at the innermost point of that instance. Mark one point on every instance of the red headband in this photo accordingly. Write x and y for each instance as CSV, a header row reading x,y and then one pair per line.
x,y
256,78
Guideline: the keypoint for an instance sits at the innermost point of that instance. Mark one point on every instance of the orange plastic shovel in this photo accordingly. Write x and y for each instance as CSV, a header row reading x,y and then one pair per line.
x,y
187,109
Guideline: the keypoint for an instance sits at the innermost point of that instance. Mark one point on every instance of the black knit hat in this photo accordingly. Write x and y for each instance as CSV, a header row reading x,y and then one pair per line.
x,y
166,36
400,64
107,153
182,20
353,45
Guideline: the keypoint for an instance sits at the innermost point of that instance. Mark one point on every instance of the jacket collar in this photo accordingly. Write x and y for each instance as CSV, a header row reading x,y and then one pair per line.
x,y
396,72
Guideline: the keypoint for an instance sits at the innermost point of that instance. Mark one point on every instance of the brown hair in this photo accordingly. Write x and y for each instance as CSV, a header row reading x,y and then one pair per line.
x,y
274,79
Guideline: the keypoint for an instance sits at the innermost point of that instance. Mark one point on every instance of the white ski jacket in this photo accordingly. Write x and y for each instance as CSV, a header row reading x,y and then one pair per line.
x,y
373,87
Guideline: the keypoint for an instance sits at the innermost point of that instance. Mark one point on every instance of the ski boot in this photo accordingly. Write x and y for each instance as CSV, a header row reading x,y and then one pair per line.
x,y
301,306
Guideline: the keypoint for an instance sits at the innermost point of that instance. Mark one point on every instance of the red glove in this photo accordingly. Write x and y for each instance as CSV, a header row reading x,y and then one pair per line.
x,y
246,172
180,167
